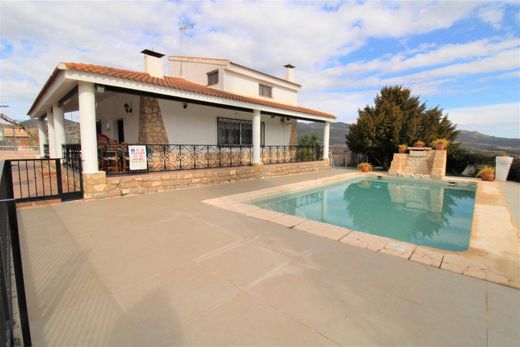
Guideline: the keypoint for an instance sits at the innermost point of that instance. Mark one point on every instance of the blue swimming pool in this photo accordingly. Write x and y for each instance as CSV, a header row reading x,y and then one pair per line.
x,y
430,213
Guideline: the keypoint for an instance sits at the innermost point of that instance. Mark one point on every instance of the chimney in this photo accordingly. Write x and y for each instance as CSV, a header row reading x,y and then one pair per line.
x,y
153,63
289,72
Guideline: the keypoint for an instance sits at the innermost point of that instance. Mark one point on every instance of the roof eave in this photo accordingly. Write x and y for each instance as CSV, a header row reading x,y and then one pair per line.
x,y
59,69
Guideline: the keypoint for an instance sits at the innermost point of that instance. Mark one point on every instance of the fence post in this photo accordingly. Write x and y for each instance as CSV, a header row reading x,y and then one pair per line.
x,y
58,176
17,259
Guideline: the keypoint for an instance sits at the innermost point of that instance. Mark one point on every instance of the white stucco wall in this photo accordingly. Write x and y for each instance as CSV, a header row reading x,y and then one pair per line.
x,y
196,72
244,85
235,79
111,108
197,124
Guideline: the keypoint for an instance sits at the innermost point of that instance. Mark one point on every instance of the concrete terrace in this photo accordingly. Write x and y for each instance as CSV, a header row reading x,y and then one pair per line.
x,y
167,269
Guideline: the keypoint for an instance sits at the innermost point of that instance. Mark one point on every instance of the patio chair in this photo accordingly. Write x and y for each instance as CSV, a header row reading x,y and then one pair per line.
x,y
110,159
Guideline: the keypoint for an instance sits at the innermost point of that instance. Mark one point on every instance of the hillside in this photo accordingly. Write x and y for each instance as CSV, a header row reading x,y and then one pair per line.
x,y
469,139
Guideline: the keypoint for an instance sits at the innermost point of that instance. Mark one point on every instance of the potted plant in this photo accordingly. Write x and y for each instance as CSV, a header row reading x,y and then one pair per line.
x,y
365,167
503,164
440,144
419,144
403,148
487,173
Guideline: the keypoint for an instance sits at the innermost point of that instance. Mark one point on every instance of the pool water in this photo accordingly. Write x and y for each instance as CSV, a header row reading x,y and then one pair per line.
x,y
430,213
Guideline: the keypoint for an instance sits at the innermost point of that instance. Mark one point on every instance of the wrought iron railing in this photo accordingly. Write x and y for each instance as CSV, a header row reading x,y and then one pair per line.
x,y
114,159
290,154
12,318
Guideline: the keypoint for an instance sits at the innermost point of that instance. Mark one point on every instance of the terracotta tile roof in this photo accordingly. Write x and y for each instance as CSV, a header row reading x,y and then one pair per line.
x,y
187,86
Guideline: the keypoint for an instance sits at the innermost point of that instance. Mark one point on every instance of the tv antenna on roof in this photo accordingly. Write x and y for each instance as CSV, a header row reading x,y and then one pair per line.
x,y
182,31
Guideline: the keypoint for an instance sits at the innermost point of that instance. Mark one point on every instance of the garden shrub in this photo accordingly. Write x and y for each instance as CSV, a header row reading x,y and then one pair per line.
x,y
459,158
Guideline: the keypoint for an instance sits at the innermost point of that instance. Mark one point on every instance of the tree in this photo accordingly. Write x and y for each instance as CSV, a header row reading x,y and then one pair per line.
x,y
309,147
397,118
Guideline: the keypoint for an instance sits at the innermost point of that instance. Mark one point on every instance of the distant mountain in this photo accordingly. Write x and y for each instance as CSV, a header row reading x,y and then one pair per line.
x,y
485,143
34,122
338,131
469,139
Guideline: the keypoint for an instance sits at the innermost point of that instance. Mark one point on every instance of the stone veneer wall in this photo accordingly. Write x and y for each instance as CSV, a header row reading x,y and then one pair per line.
x,y
98,186
151,125
431,166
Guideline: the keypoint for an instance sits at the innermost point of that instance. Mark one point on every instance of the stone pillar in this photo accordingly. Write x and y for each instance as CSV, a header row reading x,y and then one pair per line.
x,y
52,135
42,139
87,122
256,138
326,134
440,158
151,125
59,129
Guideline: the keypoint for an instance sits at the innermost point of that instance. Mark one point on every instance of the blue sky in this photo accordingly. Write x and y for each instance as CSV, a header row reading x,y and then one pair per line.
x,y
462,56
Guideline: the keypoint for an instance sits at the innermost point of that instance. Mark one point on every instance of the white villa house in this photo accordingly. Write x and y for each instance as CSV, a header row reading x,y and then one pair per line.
x,y
208,113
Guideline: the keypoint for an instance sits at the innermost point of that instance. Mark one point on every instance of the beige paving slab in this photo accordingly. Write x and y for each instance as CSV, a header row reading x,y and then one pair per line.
x,y
359,316
363,240
399,249
323,229
288,220
261,263
164,304
262,213
427,256
243,319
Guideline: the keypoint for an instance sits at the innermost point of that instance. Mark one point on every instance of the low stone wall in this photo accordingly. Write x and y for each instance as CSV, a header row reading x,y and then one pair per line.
x,y
431,165
98,186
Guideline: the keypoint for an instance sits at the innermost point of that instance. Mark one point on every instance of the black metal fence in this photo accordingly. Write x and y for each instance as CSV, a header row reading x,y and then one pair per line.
x,y
47,179
114,159
13,312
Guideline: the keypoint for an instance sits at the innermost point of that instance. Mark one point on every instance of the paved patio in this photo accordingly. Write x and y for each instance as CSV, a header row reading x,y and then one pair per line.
x,y
166,269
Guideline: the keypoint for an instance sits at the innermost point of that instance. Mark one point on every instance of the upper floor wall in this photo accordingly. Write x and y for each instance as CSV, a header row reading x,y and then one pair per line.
x,y
235,78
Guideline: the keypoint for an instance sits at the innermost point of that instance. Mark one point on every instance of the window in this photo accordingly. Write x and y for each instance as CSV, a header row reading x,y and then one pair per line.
x,y
212,77
266,91
237,132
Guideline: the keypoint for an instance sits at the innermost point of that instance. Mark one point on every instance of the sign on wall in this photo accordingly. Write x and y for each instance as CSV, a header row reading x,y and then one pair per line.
x,y
137,157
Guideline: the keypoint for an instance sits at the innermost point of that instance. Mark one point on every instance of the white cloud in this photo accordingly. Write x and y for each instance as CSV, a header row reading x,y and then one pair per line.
x,y
492,15
499,119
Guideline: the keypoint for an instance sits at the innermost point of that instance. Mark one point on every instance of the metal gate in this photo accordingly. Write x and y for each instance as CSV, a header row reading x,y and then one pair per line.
x,y
47,179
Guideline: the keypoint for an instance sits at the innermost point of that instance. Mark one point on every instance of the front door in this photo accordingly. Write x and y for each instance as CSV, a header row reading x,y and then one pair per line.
x,y
120,131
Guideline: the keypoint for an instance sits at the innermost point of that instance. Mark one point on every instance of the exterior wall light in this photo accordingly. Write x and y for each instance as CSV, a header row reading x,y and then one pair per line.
x,y
128,108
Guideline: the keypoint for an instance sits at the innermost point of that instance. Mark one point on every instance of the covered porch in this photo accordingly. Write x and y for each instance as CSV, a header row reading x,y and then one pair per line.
x,y
177,129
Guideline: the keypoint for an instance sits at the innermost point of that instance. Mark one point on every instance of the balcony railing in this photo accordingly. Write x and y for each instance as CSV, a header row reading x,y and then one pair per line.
x,y
114,159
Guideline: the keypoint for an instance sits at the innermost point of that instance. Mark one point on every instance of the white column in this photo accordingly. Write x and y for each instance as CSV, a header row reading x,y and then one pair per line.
x,y
87,122
326,133
59,129
42,139
52,135
256,138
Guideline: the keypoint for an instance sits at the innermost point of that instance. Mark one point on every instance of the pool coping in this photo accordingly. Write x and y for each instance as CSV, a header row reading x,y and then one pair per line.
x,y
494,247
